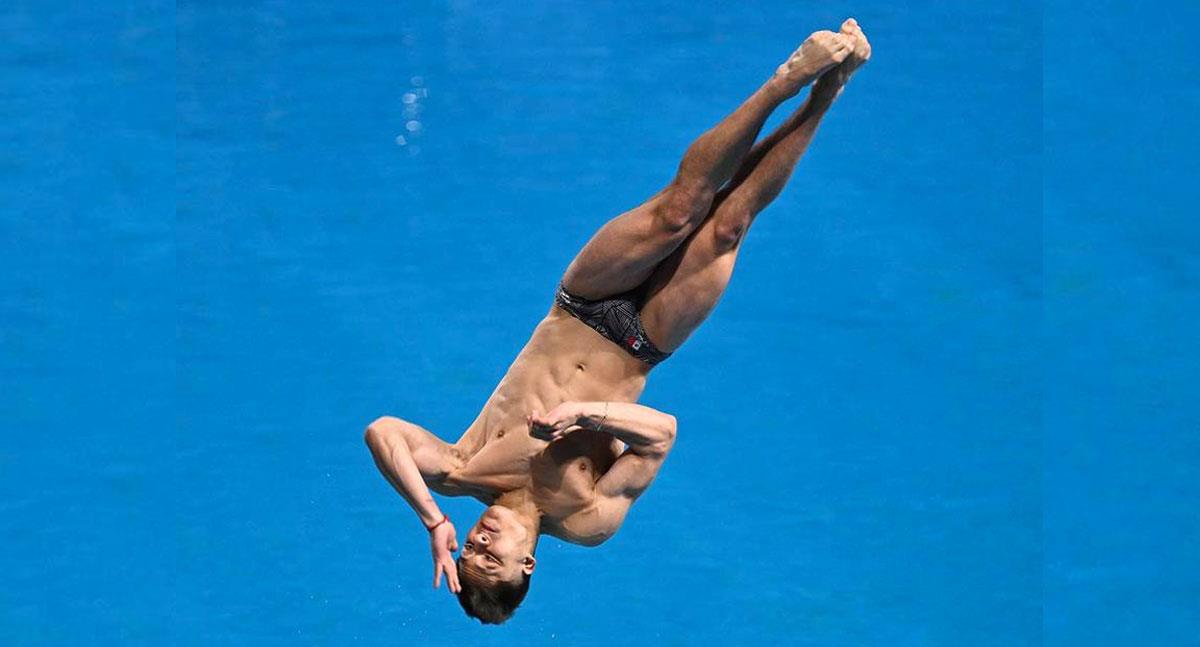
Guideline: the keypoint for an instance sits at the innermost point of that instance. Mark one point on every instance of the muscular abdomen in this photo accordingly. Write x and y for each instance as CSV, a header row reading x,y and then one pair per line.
x,y
565,360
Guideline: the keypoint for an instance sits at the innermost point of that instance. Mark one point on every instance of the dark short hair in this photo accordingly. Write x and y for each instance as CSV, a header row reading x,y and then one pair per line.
x,y
491,604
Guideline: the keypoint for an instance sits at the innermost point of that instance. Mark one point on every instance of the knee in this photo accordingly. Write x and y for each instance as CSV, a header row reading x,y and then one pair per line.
x,y
381,429
730,227
684,207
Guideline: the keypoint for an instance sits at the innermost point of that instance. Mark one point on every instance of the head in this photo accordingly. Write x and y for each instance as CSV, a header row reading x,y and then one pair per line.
x,y
495,564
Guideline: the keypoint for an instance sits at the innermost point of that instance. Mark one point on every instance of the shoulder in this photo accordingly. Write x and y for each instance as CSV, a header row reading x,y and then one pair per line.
x,y
592,525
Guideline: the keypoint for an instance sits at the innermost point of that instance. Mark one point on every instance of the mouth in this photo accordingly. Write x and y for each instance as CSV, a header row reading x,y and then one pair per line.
x,y
488,527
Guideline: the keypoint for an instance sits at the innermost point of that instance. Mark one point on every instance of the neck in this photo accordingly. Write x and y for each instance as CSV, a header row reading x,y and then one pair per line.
x,y
528,514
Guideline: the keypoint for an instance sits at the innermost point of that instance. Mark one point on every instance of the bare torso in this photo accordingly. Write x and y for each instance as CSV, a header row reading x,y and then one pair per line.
x,y
563,360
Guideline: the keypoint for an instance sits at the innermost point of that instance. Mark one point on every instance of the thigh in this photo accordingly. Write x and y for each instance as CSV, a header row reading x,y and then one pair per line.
x,y
628,248
620,256
682,292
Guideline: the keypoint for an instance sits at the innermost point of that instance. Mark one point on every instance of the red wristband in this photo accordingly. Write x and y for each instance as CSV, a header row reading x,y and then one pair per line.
x,y
445,518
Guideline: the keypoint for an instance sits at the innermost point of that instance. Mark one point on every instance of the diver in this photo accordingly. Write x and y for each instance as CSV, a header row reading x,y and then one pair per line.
x,y
561,448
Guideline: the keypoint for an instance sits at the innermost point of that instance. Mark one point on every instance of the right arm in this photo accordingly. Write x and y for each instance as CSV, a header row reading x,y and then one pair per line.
x,y
407,455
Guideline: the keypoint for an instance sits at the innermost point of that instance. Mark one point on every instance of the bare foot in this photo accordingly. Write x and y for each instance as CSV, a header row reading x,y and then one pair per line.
x,y
818,53
835,78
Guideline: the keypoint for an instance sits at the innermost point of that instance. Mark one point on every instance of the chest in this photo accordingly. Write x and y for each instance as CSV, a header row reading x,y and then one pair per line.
x,y
563,476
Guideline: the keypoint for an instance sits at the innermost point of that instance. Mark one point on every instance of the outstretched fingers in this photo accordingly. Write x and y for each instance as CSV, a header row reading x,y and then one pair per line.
x,y
447,566
452,577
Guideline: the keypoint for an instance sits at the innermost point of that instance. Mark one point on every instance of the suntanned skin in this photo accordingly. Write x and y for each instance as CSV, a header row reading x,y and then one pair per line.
x,y
560,447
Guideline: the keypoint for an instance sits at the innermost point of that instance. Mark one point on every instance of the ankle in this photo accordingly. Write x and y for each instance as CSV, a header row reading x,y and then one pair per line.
x,y
826,90
778,89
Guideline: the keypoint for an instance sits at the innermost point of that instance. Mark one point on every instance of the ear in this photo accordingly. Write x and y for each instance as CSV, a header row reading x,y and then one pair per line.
x,y
528,565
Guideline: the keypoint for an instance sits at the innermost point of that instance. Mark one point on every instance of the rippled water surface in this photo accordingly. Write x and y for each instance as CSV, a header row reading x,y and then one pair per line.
x,y
218,266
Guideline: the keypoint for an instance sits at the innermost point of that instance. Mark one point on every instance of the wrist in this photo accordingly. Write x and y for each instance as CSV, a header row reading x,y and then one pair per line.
x,y
583,413
574,413
429,515
597,415
588,413
442,519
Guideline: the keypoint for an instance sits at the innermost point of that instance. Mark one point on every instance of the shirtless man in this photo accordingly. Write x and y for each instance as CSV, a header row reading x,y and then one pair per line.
x,y
560,447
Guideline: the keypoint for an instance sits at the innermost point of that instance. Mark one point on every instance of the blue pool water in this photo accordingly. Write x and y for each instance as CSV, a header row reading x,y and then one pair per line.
x,y
924,414
1122,366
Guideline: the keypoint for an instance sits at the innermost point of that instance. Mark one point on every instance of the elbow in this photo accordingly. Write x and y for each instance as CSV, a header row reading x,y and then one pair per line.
x,y
667,441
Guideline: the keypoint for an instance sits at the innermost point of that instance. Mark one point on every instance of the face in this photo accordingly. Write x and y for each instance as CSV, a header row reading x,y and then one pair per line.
x,y
498,548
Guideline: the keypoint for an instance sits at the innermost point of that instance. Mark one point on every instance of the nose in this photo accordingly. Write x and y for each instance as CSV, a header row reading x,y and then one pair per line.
x,y
483,538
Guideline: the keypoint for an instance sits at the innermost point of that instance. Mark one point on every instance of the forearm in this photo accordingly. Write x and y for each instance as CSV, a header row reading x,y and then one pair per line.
x,y
394,460
646,431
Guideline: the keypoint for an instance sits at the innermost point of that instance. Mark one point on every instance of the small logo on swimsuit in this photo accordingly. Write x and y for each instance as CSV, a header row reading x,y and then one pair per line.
x,y
633,342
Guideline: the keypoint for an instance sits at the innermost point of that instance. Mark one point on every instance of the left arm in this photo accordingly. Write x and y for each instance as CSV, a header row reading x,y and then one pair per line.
x,y
649,434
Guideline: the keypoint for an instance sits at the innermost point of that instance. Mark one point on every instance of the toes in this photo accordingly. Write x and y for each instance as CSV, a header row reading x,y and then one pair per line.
x,y
862,48
852,29
829,41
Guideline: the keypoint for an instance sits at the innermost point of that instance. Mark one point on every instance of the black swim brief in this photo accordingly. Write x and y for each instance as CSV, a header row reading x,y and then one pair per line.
x,y
617,318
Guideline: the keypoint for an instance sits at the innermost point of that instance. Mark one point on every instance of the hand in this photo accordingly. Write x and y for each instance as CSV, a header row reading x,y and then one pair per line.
x,y
555,423
443,543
